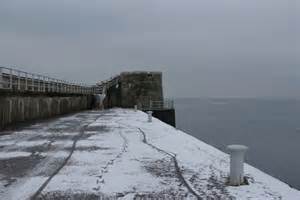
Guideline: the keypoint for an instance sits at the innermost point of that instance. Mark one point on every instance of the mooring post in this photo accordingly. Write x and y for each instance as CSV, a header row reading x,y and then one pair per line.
x,y
135,108
237,154
149,116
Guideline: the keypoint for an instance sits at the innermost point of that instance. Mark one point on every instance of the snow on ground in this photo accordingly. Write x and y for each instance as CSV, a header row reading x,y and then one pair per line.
x,y
119,155
206,167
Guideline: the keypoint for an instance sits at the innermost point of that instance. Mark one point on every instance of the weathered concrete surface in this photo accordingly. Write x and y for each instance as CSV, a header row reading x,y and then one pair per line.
x,y
19,108
117,154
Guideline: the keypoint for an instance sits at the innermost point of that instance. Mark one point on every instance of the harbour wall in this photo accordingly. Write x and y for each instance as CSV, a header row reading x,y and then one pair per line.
x,y
144,89
22,107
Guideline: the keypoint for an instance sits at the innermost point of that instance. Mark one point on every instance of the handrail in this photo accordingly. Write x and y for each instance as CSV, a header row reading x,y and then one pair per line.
x,y
158,105
102,86
18,80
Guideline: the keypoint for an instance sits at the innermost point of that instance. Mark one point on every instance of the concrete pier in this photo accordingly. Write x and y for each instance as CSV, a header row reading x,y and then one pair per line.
x,y
140,88
117,154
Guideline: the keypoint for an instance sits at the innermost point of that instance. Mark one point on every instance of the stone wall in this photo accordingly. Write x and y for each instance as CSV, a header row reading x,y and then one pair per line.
x,y
135,88
21,107
167,116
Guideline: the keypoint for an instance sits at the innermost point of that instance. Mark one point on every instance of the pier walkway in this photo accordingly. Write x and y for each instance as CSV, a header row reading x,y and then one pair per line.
x,y
117,154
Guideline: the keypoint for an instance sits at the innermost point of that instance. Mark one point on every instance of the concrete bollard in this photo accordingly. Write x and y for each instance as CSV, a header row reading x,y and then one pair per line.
x,y
135,108
149,116
237,154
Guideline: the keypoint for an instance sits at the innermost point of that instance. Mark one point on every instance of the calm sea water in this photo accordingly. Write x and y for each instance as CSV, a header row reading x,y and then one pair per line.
x,y
270,128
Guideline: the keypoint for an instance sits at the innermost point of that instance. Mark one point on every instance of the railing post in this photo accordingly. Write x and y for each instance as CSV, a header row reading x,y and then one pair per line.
x,y
53,85
1,78
47,84
135,108
44,84
19,81
32,82
60,87
149,116
26,81
56,85
10,79
39,83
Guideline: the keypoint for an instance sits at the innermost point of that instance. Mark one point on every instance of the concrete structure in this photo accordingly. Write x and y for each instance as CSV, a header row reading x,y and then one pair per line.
x,y
135,88
237,154
19,81
117,154
26,96
143,89
20,107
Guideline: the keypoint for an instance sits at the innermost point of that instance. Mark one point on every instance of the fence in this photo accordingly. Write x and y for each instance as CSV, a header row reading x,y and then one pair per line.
x,y
159,105
16,80
104,85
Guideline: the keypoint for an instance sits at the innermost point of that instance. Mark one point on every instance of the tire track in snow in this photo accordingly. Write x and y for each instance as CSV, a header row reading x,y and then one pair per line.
x,y
177,168
75,140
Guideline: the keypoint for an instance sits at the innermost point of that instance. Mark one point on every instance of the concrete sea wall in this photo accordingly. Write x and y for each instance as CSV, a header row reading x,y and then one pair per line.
x,y
16,108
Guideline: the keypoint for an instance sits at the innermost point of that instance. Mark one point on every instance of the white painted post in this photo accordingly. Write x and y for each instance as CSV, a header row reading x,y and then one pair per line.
x,y
1,78
135,108
149,116
237,154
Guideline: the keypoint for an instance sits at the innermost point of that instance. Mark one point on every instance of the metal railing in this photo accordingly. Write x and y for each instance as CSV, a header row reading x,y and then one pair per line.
x,y
104,85
17,80
159,105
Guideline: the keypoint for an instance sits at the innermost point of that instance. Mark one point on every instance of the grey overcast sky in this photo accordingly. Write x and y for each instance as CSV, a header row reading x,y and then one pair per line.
x,y
205,48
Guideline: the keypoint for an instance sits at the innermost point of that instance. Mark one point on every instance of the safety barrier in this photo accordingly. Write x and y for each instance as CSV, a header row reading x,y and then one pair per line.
x,y
17,80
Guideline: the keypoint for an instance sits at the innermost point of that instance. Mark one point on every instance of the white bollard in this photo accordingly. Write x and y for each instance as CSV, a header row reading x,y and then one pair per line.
x,y
149,116
135,108
237,154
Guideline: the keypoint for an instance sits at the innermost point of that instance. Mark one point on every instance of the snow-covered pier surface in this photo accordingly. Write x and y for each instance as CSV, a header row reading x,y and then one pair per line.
x,y
117,154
